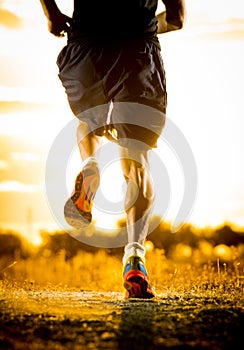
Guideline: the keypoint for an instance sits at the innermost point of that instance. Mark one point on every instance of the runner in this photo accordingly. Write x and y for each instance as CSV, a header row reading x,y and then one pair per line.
x,y
113,74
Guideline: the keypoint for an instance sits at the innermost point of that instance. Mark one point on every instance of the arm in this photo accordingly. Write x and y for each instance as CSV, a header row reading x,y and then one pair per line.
x,y
174,16
58,23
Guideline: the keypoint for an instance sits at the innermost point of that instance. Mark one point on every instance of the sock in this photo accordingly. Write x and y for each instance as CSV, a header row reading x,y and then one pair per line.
x,y
90,160
132,249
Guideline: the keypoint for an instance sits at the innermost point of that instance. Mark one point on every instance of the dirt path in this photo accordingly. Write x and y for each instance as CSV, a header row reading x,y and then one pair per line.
x,y
53,319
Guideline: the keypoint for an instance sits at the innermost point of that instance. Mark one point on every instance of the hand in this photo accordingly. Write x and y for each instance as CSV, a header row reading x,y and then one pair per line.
x,y
59,24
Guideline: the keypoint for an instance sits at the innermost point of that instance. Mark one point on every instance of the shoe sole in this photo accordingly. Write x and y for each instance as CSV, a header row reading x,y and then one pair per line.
x,y
74,216
137,286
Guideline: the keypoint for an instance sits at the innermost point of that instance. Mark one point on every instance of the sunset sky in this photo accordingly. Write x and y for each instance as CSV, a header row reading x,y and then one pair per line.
x,y
205,77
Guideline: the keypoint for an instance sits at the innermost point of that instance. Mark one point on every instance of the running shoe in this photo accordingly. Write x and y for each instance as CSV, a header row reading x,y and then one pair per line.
x,y
78,208
136,280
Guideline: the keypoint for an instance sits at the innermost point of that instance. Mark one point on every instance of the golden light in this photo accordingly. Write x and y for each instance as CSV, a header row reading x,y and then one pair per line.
x,y
222,251
206,248
183,251
36,239
204,95
149,246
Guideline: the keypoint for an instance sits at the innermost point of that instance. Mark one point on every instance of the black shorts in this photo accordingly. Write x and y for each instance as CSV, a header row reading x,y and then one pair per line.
x,y
120,91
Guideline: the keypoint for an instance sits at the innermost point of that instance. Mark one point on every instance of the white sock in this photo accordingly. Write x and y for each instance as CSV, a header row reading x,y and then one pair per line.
x,y
90,160
132,249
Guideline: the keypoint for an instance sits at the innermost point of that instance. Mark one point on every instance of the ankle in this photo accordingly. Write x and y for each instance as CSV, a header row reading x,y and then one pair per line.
x,y
90,161
132,249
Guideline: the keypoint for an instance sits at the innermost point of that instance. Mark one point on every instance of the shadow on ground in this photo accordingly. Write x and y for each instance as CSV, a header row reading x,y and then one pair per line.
x,y
51,319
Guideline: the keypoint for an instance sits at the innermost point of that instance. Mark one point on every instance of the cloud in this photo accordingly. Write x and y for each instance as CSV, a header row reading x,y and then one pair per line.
x,y
221,33
8,107
27,157
236,21
229,29
3,164
233,22
10,20
16,186
21,161
28,109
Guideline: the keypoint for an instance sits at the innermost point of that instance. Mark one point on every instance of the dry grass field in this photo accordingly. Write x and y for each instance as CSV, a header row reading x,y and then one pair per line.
x,y
56,297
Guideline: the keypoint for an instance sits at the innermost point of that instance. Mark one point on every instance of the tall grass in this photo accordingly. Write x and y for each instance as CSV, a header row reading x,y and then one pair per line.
x,y
101,271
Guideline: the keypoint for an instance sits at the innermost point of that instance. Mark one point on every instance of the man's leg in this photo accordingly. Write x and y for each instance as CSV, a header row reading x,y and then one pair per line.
x,y
138,205
88,142
78,208
139,195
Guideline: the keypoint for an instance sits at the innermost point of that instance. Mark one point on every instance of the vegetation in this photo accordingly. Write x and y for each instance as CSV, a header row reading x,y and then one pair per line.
x,y
196,260
64,294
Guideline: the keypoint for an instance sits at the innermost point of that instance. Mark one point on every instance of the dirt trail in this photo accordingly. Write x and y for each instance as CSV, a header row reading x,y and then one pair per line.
x,y
53,319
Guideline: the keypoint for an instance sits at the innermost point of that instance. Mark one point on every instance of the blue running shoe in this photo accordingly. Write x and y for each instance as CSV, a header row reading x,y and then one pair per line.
x,y
136,280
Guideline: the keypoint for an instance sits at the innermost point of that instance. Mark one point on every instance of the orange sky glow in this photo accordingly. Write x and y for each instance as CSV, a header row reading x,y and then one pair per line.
x,y
205,77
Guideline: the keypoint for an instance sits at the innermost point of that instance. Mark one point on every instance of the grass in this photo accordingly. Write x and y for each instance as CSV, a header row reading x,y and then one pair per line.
x,y
198,279
100,271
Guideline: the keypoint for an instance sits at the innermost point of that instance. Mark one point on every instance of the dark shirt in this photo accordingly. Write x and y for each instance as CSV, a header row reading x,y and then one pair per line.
x,y
111,20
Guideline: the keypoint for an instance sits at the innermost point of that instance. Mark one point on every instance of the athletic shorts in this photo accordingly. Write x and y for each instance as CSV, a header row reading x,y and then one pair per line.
x,y
119,90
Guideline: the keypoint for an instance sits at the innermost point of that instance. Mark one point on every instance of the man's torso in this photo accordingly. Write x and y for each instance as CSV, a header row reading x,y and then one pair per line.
x,y
116,18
